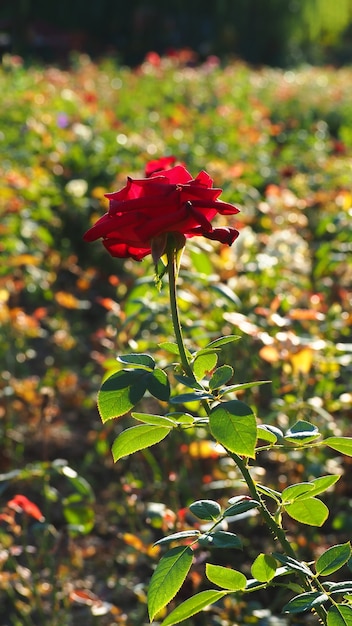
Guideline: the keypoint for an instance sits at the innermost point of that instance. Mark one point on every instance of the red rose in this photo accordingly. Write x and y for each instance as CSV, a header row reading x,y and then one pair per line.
x,y
159,165
170,201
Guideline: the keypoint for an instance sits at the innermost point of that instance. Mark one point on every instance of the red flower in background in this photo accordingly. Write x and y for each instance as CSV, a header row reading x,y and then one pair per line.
x,y
167,201
20,503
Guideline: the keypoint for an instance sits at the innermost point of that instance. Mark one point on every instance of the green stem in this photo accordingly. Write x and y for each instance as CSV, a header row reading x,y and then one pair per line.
x,y
172,270
269,519
275,528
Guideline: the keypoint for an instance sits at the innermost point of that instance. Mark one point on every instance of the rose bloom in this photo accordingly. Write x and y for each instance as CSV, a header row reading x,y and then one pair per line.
x,y
167,201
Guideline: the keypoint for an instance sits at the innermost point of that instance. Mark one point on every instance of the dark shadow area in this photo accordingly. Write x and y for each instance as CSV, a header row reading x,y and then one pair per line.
x,y
262,33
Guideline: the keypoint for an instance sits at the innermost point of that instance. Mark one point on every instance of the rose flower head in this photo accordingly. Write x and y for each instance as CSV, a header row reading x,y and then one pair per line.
x,y
166,201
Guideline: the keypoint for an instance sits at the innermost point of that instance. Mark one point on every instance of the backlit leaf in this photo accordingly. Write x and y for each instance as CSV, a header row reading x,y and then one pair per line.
x,y
222,341
120,392
168,577
183,534
322,483
225,577
204,364
264,567
309,511
296,492
193,605
333,559
156,420
340,444
168,346
264,434
339,615
242,387
233,424
137,438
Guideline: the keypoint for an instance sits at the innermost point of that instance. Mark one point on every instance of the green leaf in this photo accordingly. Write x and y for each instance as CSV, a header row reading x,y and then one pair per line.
x,y
323,483
333,559
189,382
158,385
144,361
204,364
221,376
242,386
225,577
168,346
339,615
120,392
302,491
305,602
205,351
302,432
168,577
271,493
296,492
264,568
309,511
181,418
293,564
193,605
233,425
224,539
240,505
197,396
137,438
183,534
206,509
223,341
344,587
264,434
155,420
340,444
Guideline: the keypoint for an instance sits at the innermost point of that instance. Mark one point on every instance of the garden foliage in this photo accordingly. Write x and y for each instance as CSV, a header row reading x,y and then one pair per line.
x,y
279,144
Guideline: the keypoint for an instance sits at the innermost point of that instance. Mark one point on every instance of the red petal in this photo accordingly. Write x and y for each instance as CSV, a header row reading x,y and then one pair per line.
x,y
21,503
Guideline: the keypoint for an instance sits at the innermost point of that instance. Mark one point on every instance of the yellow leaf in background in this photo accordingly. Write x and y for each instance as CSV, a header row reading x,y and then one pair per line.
x,y
99,192
205,449
4,295
347,201
302,361
305,314
134,541
67,300
269,354
25,259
